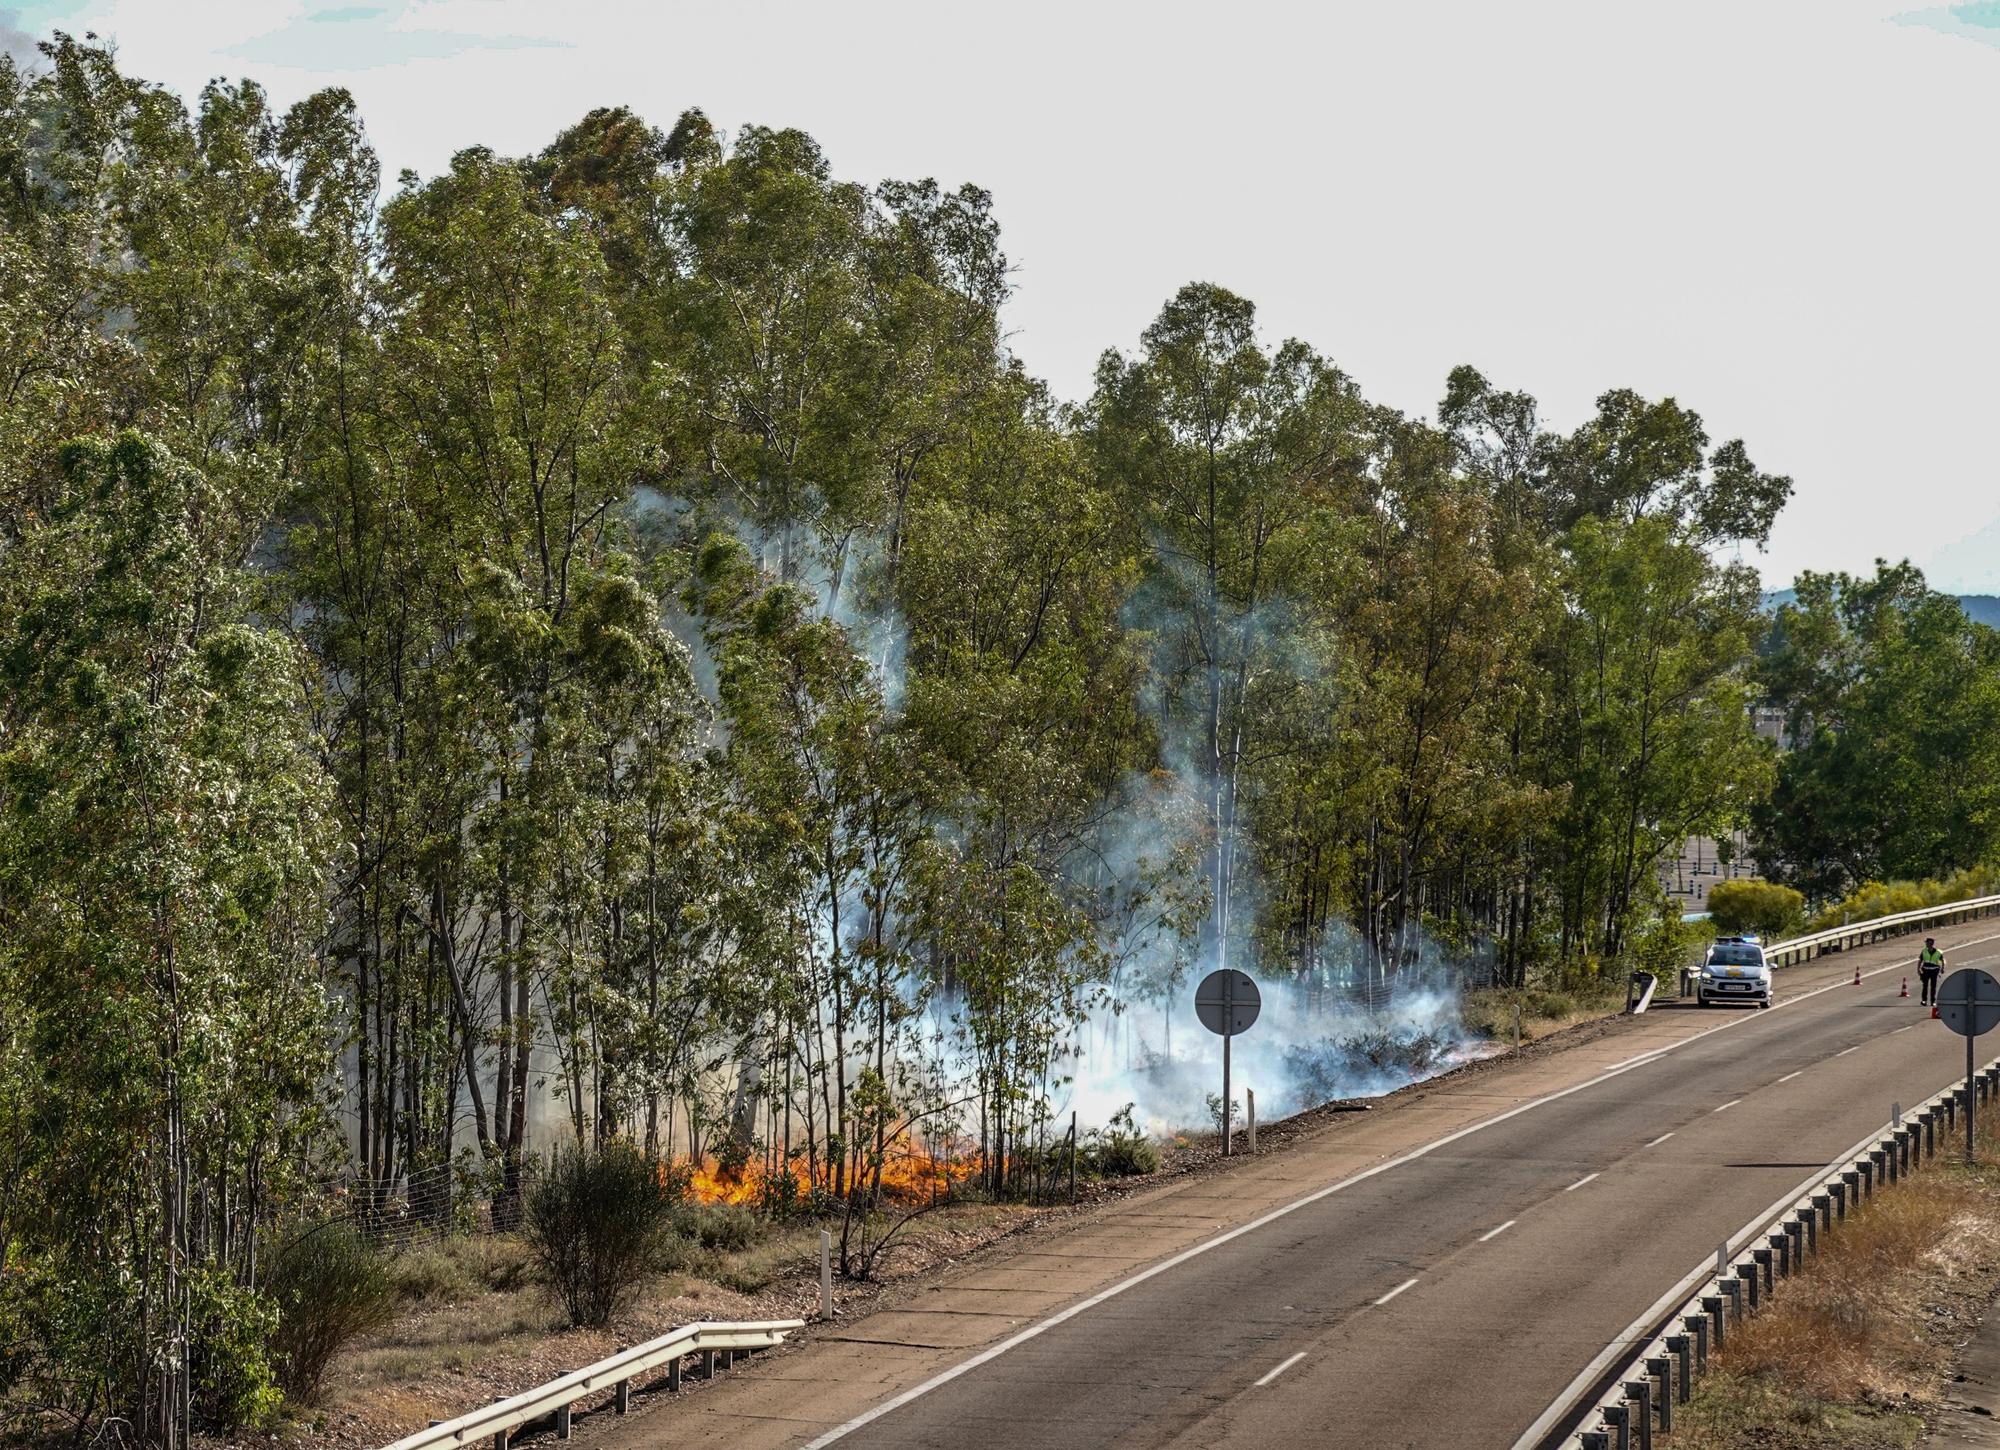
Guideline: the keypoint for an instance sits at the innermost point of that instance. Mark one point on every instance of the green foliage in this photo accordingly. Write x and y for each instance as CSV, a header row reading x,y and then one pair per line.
x,y
720,1227
597,1219
330,1287
1892,699
1666,944
1119,1149
1890,898
1746,905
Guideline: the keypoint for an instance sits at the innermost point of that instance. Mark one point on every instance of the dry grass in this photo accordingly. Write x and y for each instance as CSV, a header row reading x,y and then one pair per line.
x,y
1857,1351
477,1325
1489,1011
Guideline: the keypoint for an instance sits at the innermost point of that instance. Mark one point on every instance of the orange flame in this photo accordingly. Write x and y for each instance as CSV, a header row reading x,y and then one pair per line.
x,y
911,1173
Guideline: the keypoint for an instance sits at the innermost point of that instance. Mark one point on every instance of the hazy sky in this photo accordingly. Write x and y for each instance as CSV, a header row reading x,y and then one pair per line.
x,y
1781,212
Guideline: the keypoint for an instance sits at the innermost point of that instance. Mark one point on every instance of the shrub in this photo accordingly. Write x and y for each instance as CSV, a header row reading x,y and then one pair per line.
x,y
1120,1149
232,1381
596,1220
330,1287
726,1227
1749,905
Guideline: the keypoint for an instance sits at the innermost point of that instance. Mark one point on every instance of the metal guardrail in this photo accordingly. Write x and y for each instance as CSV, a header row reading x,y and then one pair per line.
x,y
1644,1389
1805,948
717,1342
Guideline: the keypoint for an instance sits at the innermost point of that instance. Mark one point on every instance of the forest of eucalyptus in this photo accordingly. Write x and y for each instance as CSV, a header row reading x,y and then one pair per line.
x,y
610,643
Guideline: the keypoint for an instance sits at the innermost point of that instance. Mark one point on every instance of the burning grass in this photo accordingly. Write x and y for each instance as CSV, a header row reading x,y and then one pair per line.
x,y
1857,1351
910,1173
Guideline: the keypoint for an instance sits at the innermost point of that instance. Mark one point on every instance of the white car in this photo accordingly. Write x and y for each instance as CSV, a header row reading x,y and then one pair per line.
x,y
1735,971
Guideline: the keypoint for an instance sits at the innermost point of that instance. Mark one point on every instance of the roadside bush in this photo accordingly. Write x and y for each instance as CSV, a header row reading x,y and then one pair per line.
x,y
457,1267
1886,898
233,1383
596,1219
330,1287
1120,1149
1748,905
723,1227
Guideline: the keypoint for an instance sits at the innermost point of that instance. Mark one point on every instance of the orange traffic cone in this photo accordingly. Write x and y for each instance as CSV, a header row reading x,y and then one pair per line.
x,y
1906,988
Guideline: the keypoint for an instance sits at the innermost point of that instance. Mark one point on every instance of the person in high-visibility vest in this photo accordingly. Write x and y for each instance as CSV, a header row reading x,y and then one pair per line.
x,y
1930,962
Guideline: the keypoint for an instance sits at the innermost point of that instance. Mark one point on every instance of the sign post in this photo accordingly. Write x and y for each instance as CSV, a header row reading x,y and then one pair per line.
x,y
1227,1002
1969,1004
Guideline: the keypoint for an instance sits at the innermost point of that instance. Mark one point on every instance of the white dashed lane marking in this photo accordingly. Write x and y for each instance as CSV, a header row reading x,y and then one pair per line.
x,y
1394,1292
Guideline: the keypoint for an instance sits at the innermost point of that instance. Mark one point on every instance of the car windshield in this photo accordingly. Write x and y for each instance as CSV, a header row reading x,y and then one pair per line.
x,y
1736,955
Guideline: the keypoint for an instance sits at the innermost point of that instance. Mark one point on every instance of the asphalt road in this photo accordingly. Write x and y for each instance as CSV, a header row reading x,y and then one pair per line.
x,y
1449,1298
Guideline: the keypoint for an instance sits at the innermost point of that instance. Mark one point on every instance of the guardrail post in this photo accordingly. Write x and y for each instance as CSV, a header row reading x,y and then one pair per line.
x,y
1698,1324
621,1399
562,1422
1930,1132
1746,1274
1795,1232
1887,1154
1681,1347
1594,1440
728,1358
708,1364
1781,1254
674,1376
1809,1220
1712,1308
1865,1165
1661,1368
1639,1394
1760,1267
1619,1418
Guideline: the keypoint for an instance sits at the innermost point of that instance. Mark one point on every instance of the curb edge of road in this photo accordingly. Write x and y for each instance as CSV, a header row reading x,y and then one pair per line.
x,y
1570,1417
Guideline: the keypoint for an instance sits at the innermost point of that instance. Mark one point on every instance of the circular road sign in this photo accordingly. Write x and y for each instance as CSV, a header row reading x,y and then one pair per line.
x,y
1969,1002
1227,1002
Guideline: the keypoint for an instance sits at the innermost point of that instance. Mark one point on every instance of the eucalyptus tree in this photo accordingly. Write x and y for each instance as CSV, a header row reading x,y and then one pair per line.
x,y
1222,452
164,832
1891,697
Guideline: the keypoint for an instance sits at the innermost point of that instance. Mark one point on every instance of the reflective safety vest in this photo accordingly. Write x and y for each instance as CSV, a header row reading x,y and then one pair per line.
x,y
1931,959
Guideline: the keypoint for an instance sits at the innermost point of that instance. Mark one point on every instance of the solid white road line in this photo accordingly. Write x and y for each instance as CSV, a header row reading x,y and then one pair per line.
x,y
1790,1075
1845,1050
1903,1029
1063,1316
1659,1140
1394,1292
1579,1183
1728,1105
1494,1233
1280,1369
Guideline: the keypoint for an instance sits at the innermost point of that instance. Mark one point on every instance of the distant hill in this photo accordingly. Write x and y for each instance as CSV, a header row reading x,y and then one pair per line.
x,y
1981,608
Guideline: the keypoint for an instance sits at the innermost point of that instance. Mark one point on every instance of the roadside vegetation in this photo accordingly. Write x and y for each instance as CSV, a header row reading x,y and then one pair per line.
x,y
601,662
1859,1351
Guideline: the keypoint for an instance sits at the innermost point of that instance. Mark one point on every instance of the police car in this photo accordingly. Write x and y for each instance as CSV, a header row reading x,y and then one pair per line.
x,y
1735,971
